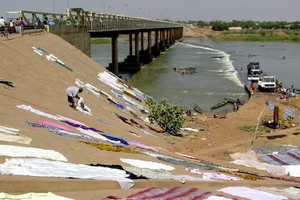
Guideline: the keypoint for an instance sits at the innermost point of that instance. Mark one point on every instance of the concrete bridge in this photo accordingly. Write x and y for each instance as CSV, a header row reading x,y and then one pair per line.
x,y
78,26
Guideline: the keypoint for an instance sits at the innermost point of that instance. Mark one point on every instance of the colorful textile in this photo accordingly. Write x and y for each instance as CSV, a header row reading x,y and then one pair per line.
x,y
144,146
288,112
107,147
184,193
83,127
290,158
216,175
249,193
103,121
271,106
47,123
63,133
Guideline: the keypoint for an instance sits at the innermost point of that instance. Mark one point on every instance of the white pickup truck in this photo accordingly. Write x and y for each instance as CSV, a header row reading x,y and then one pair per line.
x,y
267,83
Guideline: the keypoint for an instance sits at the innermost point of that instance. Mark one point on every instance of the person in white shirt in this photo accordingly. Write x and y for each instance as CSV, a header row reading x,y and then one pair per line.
x,y
3,25
72,93
2,22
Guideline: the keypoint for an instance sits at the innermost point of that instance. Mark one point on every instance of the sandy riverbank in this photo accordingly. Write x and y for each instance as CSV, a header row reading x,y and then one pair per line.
x,y
41,84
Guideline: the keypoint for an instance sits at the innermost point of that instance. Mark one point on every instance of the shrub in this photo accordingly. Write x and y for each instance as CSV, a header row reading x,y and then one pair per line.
x,y
169,118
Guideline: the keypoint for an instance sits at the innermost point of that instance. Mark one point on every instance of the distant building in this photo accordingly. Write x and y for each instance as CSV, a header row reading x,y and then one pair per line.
x,y
237,28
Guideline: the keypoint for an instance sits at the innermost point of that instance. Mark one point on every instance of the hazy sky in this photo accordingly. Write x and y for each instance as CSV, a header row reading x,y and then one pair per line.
x,y
207,10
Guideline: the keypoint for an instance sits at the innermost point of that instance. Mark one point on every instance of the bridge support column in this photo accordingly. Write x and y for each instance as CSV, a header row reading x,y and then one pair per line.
x,y
114,45
136,42
130,44
142,41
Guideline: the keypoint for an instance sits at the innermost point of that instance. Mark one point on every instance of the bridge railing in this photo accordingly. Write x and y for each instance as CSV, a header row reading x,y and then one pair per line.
x,y
92,21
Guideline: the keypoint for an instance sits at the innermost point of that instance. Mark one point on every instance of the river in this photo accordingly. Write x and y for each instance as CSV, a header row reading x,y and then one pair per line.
x,y
220,69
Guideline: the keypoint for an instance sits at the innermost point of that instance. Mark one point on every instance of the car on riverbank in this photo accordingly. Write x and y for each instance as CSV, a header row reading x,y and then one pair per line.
x,y
267,83
253,71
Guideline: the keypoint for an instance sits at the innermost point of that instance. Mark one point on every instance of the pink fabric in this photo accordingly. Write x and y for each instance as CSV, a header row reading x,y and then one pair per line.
x,y
143,146
215,175
53,124
62,118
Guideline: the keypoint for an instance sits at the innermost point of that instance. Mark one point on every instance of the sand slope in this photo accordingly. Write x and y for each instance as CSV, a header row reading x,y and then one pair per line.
x,y
41,84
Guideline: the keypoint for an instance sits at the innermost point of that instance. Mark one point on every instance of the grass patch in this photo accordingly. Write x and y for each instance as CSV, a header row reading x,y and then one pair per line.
x,y
100,40
257,36
251,129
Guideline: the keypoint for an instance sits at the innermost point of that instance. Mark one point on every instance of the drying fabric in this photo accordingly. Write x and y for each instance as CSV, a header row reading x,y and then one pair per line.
x,y
186,178
103,121
107,147
32,196
47,168
144,146
53,125
189,129
118,105
147,132
15,138
290,158
272,169
82,107
62,118
124,119
249,193
134,134
292,170
216,175
185,163
187,156
153,174
115,139
271,106
38,112
83,127
18,151
147,164
216,198
288,112
9,130
94,134
63,133
291,192
184,193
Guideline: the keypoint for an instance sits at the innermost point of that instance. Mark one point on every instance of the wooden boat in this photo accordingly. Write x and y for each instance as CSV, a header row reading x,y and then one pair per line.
x,y
220,104
197,108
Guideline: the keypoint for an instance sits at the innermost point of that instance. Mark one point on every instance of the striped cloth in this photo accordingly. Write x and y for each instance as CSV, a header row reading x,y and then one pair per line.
x,y
182,193
290,158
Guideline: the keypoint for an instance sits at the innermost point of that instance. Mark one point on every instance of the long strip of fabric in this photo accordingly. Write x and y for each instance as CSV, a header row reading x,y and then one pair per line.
x,y
63,133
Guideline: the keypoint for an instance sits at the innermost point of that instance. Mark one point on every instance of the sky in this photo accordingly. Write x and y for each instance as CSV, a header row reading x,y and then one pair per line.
x,y
183,10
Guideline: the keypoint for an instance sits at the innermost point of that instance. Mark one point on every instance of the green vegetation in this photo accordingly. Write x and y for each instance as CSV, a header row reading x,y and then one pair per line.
x,y
100,40
251,30
256,35
251,129
169,118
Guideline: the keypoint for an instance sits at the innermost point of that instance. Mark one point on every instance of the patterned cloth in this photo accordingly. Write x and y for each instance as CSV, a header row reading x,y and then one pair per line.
x,y
183,193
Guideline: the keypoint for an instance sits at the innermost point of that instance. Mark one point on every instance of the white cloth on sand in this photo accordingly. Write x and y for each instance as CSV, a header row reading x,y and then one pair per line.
x,y
18,151
50,168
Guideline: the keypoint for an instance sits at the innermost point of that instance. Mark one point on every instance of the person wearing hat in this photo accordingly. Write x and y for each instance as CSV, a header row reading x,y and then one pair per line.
x,y
72,93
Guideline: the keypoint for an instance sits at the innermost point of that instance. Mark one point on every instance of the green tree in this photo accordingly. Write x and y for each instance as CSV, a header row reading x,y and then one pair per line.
x,y
169,118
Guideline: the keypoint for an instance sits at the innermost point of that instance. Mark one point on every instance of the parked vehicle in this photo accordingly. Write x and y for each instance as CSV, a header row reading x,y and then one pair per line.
x,y
254,71
267,83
